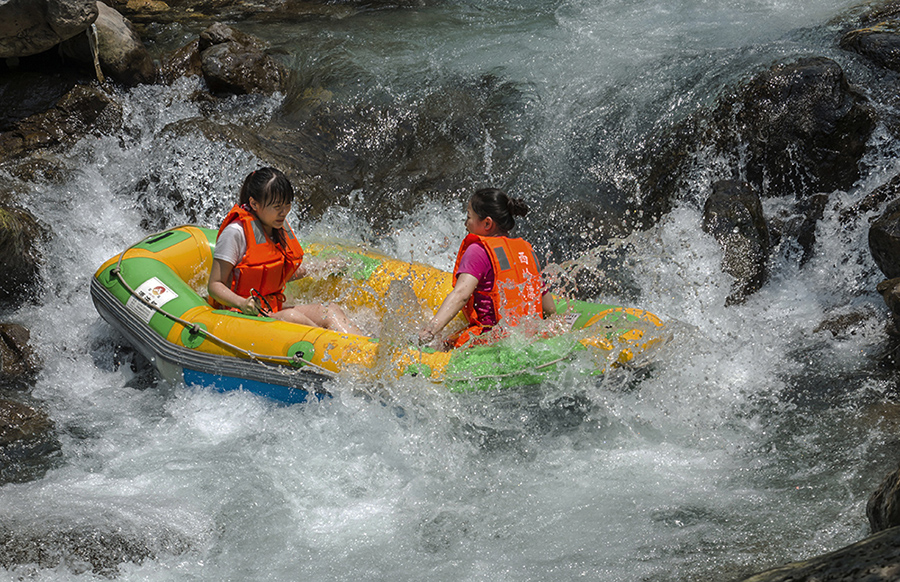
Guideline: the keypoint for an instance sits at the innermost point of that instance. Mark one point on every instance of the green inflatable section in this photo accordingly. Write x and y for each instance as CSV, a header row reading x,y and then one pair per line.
x,y
511,362
518,361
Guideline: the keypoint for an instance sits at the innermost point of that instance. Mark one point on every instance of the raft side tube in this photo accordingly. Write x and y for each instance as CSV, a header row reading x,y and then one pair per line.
x,y
173,361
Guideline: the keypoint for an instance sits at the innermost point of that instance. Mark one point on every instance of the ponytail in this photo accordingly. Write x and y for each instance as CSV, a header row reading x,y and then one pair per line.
x,y
501,208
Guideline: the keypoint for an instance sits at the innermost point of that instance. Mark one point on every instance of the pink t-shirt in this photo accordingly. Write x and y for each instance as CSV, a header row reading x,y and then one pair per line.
x,y
476,262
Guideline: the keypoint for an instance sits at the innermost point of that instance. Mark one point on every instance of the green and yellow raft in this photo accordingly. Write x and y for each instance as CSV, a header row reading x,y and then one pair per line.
x,y
154,294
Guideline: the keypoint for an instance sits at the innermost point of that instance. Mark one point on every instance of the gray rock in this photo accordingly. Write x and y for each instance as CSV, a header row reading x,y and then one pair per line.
x,y
874,559
884,240
19,256
28,446
880,44
890,292
19,421
80,111
806,108
28,27
100,547
733,215
184,62
121,53
18,362
234,62
795,130
883,508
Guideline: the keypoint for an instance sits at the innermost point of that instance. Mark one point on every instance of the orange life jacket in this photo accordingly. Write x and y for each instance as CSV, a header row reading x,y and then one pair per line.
x,y
517,288
267,265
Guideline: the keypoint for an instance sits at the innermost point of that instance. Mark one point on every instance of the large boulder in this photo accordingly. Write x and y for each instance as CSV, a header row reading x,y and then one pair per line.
x,y
803,127
27,93
18,362
794,130
121,53
883,507
82,110
159,11
20,234
234,62
733,215
890,292
884,240
879,43
327,151
28,27
874,559
28,446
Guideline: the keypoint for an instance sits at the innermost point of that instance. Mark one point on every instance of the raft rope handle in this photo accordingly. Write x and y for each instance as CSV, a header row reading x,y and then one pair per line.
x,y
195,328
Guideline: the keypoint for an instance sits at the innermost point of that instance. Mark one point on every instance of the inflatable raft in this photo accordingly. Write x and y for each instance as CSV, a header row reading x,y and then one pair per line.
x,y
154,293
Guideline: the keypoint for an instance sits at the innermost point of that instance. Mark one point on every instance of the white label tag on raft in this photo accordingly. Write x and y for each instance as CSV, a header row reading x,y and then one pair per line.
x,y
153,291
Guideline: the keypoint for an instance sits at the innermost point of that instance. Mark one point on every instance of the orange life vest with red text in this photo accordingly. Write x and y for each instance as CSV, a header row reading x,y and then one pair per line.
x,y
517,289
267,265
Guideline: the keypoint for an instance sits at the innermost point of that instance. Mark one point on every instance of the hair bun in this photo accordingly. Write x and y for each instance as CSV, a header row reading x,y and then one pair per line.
x,y
517,207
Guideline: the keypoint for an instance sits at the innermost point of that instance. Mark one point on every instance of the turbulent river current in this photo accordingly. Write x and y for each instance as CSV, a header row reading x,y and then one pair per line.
x,y
751,439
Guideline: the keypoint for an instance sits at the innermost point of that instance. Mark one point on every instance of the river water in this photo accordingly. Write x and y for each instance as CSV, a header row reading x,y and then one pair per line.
x,y
753,438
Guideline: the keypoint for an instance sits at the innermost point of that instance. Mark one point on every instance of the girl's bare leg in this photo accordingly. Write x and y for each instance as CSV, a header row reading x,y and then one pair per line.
x,y
329,316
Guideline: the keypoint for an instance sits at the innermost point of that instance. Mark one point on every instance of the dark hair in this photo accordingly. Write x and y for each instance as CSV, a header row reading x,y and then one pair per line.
x,y
267,186
500,207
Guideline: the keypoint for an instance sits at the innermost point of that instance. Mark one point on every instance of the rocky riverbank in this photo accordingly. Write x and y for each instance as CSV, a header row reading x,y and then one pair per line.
x,y
63,80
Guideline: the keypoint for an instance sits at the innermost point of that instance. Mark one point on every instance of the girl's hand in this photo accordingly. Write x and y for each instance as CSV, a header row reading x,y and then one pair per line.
x,y
332,266
249,306
336,264
425,336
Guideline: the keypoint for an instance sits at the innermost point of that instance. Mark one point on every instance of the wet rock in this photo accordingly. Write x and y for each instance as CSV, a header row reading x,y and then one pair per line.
x,y
733,215
29,27
25,93
234,62
874,559
890,292
230,61
795,130
184,62
397,154
883,507
19,421
884,240
18,362
185,11
794,226
875,200
843,325
804,128
28,446
122,55
83,110
666,167
100,548
880,43
20,234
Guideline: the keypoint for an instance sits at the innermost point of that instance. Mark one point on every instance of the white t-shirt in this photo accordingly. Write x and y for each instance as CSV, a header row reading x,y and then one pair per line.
x,y
232,244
